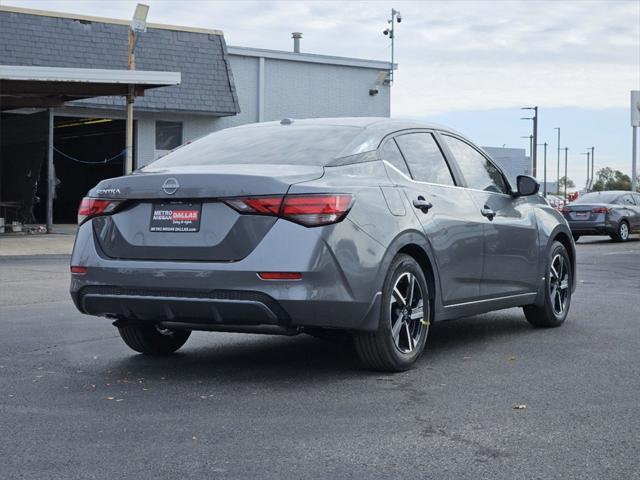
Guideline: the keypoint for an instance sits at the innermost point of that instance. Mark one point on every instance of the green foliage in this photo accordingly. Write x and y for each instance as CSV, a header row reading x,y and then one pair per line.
x,y
563,180
609,179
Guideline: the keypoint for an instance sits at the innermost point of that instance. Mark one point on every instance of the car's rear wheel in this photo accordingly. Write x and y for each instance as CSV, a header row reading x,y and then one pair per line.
x,y
152,339
404,320
557,298
622,235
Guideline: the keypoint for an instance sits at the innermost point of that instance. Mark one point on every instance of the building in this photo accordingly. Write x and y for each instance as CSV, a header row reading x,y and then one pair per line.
x,y
221,86
513,161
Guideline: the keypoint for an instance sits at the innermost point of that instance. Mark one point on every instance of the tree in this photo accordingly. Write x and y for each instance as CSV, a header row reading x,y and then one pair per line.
x,y
609,179
561,184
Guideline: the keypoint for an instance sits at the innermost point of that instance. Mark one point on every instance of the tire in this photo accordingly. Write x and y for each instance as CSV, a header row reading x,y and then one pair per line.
x,y
576,237
404,320
557,291
622,235
151,340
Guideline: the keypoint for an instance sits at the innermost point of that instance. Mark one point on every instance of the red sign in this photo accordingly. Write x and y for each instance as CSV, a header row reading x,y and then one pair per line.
x,y
182,215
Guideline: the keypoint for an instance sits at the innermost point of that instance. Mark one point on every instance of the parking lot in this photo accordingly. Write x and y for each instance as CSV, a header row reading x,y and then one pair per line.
x,y
76,403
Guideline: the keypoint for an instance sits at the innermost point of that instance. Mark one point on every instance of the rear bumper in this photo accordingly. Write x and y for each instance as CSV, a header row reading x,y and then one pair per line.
x,y
204,295
593,228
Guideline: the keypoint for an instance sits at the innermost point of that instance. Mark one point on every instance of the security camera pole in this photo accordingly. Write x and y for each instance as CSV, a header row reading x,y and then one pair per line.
x,y
534,156
138,24
395,16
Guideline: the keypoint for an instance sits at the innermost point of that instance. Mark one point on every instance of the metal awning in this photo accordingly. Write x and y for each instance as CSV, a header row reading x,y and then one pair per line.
x,y
46,87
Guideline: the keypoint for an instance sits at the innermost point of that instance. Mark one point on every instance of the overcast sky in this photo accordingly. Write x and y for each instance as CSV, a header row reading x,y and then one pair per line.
x,y
468,63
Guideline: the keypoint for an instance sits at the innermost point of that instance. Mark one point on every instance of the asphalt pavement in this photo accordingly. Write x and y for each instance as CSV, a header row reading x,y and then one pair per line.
x,y
75,403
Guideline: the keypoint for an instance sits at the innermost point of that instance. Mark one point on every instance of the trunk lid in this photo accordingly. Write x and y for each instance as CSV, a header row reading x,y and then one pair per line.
x,y
220,234
584,212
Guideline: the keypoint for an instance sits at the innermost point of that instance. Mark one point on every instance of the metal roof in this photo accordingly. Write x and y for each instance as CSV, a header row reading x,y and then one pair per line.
x,y
39,87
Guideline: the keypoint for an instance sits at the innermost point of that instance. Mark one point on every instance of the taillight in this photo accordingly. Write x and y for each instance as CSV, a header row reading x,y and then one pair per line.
x,y
280,275
78,270
565,210
310,210
92,207
600,210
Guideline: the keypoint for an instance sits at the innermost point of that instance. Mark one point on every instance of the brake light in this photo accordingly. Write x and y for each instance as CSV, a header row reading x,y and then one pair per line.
x,y
92,207
78,270
565,210
600,210
310,210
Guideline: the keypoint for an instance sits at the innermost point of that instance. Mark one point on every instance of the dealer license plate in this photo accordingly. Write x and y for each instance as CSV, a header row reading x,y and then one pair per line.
x,y
176,217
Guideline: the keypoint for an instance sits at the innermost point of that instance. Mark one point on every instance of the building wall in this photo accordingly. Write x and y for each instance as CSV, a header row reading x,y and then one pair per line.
x,y
302,89
513,161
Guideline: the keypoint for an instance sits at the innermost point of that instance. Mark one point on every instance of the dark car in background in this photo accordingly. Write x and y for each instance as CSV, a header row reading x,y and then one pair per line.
x,y
367,226
613,213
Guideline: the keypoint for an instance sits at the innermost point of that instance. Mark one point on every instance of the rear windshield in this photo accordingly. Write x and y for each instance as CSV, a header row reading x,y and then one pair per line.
x,y
598,197
281,144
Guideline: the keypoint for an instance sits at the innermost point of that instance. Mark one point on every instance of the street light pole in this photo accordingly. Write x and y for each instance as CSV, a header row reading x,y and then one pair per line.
x,y
544,190
138,24
593,161
534,156
558,170
566,152
587,153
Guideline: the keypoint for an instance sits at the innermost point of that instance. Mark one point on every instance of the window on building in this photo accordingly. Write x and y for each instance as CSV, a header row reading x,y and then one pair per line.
x,y
168,135
391,153
479,172
424,158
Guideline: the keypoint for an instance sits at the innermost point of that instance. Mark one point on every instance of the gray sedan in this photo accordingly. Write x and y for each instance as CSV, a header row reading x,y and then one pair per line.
x,y
366,226
613,213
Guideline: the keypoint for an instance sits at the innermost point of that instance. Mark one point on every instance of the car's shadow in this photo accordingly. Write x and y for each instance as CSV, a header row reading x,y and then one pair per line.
x,y
265,359
595,240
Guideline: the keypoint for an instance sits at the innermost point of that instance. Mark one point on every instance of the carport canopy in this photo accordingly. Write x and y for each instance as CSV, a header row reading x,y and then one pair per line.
x,y
48,87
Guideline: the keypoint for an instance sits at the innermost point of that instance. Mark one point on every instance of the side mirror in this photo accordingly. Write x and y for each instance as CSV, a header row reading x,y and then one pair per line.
x,y
527,186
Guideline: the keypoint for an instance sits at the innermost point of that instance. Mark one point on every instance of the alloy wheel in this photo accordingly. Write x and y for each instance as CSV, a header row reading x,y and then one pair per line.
x,y
559,287
408,316
624,231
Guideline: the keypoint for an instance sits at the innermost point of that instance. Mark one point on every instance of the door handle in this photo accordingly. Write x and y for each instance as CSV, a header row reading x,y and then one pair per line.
x,y
488,212
421,204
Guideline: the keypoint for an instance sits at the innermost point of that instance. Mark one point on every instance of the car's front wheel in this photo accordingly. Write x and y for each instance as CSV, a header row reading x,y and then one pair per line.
x,y
557,292
404,320
152,339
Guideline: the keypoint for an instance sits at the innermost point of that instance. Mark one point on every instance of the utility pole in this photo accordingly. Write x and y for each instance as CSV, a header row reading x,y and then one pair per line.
x,y
396,16
138,24
534,156
544,190
558,171
635,123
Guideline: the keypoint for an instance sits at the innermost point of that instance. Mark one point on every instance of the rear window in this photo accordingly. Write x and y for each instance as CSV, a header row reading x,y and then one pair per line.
x,y
598,197
296,145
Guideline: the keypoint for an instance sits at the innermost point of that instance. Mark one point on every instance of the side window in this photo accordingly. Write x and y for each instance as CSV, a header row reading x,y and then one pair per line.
x,y
425,160
626,200
391,154
636,197
479,172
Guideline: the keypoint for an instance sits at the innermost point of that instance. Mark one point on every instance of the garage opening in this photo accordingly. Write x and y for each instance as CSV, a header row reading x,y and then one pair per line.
x,y
86,150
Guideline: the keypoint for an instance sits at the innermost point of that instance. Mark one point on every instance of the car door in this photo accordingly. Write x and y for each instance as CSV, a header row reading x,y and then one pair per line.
x,y
446,212
511,251
630,210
